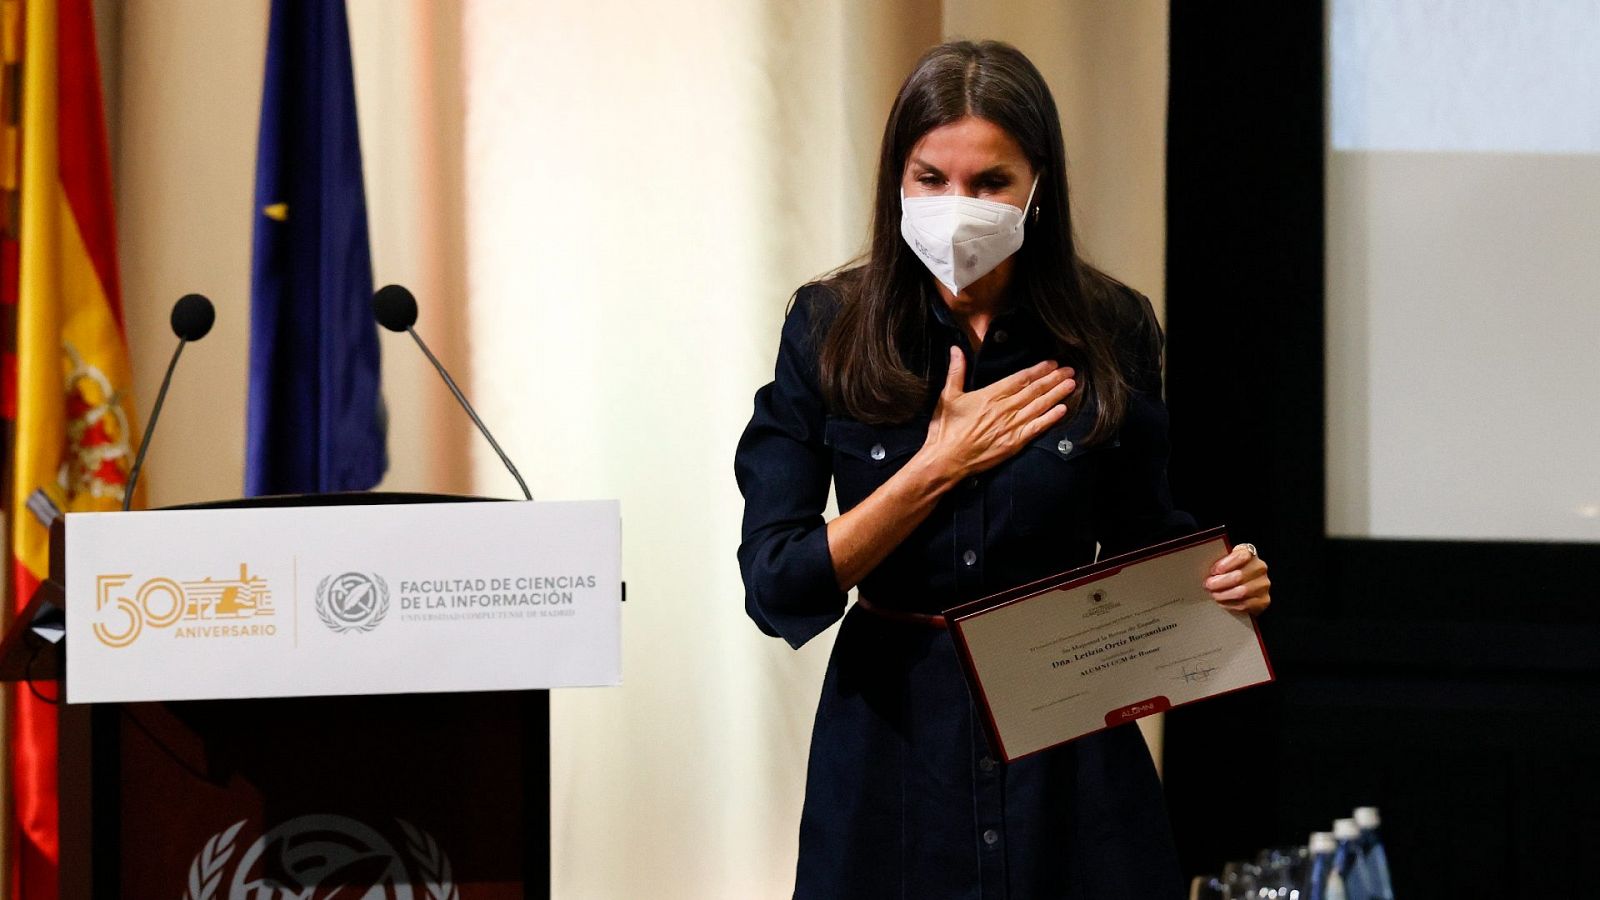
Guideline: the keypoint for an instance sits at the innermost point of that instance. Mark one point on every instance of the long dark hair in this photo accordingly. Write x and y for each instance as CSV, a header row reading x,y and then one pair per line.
x,y
873,356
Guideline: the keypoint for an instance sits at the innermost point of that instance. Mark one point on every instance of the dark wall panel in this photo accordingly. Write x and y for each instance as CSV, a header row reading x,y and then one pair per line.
x,y
1454,685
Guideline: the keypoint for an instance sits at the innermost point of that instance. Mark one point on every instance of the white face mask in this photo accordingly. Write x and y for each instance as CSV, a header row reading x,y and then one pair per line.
x,y
961,239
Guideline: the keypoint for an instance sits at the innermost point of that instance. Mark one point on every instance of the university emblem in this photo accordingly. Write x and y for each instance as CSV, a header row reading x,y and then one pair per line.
x,y
354,601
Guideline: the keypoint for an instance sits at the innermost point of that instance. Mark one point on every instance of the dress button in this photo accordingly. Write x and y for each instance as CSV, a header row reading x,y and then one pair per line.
x,y
991,837
986,764
970,557
1000,336
972,482
1065,447
877,451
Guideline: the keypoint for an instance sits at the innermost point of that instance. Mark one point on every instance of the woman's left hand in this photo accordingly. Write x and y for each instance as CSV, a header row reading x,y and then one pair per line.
x,y
1239,581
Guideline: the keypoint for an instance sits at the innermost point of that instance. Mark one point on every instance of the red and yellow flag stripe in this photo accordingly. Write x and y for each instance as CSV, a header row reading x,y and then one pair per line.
x,y
74,430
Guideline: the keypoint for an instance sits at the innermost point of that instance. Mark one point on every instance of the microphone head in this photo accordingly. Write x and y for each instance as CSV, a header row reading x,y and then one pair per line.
x,y
192,317
394,307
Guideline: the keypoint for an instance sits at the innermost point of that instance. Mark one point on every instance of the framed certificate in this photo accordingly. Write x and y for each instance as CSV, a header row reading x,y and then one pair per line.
x,y
1108,643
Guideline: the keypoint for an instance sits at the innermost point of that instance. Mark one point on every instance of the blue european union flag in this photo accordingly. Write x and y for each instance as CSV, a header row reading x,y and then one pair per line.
x,y
316,422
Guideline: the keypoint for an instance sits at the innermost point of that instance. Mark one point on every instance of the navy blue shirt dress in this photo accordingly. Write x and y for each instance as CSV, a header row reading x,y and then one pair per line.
x,y
903,799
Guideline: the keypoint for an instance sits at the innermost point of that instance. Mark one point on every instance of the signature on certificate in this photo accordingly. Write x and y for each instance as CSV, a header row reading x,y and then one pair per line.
x,y
1195,675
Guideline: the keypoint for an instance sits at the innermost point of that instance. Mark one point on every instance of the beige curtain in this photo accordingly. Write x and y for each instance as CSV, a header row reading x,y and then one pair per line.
x,y
603,207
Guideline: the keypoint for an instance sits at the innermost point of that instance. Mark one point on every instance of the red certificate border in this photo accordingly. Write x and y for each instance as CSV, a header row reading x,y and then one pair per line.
x,y
957,617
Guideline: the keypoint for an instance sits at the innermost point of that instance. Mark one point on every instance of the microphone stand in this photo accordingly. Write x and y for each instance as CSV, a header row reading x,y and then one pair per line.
x,y
462,399
155,413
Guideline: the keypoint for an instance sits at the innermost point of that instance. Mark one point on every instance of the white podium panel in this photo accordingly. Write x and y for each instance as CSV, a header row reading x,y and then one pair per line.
x,y
208,604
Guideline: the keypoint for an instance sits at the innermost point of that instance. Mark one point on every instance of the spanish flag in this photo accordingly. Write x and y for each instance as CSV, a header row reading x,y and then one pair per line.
x,y
73,431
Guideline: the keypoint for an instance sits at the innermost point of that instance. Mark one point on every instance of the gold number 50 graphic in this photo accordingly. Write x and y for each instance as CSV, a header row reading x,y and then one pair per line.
x,y
158,603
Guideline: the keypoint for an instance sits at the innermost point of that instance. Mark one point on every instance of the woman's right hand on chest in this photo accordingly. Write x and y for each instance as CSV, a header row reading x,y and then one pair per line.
x,y
977,430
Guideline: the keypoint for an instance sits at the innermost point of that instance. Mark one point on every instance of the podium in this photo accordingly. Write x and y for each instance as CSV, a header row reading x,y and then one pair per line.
x,y
282,725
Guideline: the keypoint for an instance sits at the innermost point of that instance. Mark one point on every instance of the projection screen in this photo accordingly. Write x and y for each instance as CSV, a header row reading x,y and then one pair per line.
x,y
1463,269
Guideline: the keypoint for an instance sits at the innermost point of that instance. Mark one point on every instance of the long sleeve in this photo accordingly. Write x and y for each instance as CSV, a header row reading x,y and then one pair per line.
x,y
783,470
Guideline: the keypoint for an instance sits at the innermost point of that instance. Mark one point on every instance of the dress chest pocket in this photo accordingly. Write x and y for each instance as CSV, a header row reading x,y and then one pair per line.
x,y
1053,479
864,456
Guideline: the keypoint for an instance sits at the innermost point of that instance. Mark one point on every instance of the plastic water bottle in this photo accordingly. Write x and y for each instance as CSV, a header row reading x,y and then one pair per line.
x,y
1322,847
1373,859
1335,890
1347,863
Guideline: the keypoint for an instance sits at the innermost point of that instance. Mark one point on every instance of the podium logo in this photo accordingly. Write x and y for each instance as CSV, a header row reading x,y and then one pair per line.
x,y
354,601
208,607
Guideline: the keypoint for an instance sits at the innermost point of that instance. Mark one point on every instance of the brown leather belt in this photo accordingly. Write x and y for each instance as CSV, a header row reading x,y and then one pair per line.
x,y
925,620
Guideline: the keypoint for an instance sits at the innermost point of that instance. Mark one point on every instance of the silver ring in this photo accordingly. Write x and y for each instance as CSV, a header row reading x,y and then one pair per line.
x,y
1251,547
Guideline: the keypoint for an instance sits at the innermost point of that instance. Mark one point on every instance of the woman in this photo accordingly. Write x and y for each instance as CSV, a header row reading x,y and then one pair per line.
x,y
987,407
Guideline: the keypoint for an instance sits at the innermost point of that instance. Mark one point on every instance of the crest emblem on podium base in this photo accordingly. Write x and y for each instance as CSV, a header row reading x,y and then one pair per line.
x,y
318,855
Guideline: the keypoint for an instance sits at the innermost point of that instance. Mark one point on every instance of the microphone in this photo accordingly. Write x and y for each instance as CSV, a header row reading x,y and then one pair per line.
x,y
192,318
396,309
